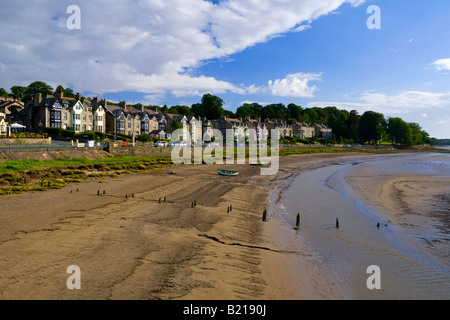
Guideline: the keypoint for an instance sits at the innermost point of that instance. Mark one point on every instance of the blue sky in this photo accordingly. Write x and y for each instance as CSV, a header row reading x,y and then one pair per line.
x,y
307,52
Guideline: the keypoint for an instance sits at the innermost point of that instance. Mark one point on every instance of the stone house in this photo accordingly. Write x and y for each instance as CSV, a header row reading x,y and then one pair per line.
x,y
324,131
284,129
239,128
303,130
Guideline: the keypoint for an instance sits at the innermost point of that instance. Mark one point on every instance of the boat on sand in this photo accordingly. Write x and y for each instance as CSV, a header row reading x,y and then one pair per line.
x,y
228,173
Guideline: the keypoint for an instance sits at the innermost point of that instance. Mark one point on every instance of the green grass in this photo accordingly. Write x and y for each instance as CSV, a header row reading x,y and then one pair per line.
x,y
80,163
35,175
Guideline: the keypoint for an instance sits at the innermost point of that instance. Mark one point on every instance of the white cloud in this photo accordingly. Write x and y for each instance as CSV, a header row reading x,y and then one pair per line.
x,y
149,46
294,85
442,64
302,28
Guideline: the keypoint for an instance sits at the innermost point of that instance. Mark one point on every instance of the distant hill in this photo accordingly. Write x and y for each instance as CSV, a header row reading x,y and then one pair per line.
x,y
440,142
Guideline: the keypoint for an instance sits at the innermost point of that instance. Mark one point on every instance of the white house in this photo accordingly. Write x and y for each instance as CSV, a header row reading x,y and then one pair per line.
x,y
75,115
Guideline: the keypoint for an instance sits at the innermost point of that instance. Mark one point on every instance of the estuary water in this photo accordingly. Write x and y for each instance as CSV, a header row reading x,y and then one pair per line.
x,y
411,267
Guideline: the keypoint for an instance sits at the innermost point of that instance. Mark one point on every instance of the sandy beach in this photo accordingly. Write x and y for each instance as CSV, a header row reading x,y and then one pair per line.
x,y
129,245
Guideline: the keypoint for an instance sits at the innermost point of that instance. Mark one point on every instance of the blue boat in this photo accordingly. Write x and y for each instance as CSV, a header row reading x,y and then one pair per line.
x,y
228,173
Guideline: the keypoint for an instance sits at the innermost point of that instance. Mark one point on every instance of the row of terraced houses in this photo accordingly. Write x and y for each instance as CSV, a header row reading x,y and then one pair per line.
x,y
57,111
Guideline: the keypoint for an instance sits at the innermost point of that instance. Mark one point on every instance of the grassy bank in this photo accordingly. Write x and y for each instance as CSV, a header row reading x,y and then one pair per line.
x,y
34,175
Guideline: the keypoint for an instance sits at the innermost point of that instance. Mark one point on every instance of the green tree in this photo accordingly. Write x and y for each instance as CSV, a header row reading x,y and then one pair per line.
x,y
211,107
183,110
399,132
371,127
337,125
294,111
352,124
251,110
3,93
37,87
417,136
176,124
275,111
19,92
68,92
164,109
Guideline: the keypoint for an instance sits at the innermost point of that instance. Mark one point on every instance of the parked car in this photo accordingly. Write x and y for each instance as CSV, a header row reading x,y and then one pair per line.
x,y
213,144
184,144
172,144
160,144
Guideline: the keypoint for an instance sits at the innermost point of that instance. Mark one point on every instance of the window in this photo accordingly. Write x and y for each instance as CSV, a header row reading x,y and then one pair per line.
x,y
120,125
65,116
129,125
84,117
55,115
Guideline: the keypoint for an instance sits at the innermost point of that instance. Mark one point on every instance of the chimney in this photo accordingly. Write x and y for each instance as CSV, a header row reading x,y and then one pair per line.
x,y
60,94
140,108
123,104
103,103
95,100
37,98
78,96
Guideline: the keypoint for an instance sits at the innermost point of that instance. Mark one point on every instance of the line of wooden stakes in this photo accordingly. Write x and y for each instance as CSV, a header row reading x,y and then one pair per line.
x,y
229,209
297,224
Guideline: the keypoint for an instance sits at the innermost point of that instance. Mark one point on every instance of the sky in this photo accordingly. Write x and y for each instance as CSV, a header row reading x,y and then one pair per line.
x,y
170,52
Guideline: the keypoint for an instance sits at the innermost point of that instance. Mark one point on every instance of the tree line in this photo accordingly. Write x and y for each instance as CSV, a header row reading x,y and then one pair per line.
x,y
348,126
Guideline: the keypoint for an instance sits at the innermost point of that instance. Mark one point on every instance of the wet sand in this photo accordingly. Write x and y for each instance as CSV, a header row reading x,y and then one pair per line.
x,y
134,247
406,194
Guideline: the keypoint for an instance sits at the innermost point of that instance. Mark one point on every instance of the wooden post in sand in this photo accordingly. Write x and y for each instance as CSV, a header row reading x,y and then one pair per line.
x,y
264,215
337,223
298,221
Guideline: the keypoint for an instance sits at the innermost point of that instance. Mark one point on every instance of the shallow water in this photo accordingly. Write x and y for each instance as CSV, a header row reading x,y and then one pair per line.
x,y
322,195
